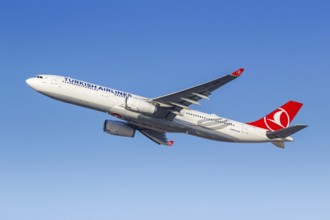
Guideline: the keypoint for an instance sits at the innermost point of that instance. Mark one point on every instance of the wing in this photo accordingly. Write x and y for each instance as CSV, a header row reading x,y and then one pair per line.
x,y
156,136
170,105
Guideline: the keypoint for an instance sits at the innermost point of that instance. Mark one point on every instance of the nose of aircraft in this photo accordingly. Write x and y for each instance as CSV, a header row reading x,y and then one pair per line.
x,y
31,82
28,81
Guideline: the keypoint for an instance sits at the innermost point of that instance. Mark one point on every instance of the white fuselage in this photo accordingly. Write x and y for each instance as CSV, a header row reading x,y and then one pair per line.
x,y
113,102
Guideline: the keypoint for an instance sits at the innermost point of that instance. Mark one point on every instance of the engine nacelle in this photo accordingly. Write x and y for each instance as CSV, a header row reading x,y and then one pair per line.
x,y
118,128
139,105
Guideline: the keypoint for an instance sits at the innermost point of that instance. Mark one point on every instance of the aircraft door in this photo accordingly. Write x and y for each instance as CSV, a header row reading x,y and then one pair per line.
x,y
105,93
245,128
44,79
54,81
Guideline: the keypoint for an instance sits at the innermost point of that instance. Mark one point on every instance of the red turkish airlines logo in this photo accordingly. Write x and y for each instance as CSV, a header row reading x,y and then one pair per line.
x,y
278,120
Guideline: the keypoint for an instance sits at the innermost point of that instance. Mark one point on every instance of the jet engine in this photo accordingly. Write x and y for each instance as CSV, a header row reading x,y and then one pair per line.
x,y
139,105
118,128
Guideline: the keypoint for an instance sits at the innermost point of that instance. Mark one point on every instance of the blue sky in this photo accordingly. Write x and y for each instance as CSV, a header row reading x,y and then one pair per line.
x,y
56,162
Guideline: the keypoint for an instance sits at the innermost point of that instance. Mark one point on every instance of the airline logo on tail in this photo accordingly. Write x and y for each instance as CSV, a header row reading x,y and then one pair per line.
x,y
280,118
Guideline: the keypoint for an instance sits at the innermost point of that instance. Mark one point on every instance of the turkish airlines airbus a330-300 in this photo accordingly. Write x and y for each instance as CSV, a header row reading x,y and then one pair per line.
x,y
154,117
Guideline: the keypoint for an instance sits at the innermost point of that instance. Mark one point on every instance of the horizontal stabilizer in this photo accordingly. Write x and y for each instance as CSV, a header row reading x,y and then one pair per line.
x,y
285,132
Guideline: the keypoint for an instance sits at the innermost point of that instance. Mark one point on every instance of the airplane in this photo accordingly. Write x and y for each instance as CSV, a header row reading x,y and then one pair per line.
x,y
154,117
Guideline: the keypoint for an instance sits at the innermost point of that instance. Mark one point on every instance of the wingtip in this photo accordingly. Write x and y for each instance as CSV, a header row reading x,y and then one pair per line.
x,y
238,72
170,143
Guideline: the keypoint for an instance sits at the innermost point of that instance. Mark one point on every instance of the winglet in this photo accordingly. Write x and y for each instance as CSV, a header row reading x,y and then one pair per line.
x,y
170,143
237,72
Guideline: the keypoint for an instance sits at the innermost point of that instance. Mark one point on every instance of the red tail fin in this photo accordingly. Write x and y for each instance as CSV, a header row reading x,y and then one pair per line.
x,y
280,118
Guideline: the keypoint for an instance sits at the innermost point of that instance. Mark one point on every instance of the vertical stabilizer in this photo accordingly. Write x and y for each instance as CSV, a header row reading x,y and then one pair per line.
x,y
279,118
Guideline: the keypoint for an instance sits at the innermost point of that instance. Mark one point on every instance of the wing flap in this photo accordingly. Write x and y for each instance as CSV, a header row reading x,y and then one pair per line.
x,y
156,136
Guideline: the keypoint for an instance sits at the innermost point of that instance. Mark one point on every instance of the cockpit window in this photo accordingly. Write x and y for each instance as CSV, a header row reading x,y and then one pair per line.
x,y
39,77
